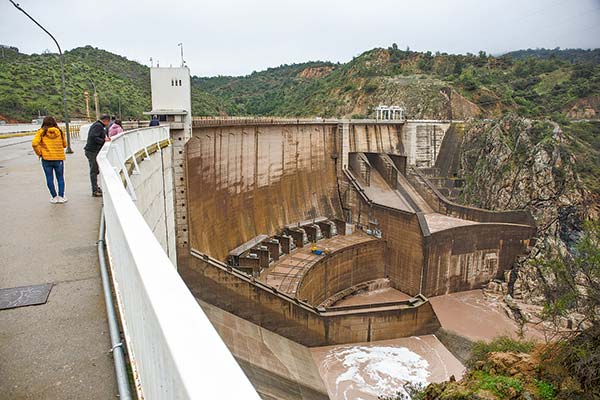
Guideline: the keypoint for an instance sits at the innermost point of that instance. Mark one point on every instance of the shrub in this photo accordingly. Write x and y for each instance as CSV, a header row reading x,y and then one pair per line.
x,y
500,385
481,349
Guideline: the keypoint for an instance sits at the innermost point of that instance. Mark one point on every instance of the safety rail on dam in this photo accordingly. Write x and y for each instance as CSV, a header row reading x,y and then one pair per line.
x,y
175,352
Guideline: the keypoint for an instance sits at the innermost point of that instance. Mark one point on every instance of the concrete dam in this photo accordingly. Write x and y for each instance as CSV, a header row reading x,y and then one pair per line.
x,y
290,224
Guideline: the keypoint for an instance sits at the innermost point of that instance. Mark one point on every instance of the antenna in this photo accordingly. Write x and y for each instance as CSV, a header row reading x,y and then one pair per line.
x,y
181,46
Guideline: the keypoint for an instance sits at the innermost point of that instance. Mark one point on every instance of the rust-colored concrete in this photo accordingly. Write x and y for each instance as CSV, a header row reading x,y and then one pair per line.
x,y
265,306
349,266
277,367
246,181
286,274
383,295
263,179
467,257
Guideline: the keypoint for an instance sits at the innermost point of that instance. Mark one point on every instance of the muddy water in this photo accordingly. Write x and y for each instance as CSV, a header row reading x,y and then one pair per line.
x,y
476,317
368,370
382,295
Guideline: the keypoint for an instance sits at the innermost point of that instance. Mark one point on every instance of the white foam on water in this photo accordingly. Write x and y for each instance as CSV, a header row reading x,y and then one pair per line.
x,y
375,371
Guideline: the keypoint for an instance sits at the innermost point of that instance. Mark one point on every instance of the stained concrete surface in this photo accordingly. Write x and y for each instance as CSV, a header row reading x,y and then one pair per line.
x,y
59,350
277,367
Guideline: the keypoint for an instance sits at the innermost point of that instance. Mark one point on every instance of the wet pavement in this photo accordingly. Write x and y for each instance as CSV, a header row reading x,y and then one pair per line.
x,y
368,370
61,349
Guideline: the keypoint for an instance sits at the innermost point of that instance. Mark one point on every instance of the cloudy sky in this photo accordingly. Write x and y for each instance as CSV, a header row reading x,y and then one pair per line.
x,y
236,37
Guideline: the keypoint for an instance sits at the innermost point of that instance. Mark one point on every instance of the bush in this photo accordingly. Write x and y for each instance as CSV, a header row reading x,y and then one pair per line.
x,y
370,87
481,349
500,385
545,390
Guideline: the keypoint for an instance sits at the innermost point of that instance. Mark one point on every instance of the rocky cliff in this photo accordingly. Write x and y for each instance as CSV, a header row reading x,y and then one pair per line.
x,y
517,163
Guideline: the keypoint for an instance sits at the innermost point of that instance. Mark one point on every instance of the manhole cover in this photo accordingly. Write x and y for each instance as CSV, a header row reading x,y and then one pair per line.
x,y
24,296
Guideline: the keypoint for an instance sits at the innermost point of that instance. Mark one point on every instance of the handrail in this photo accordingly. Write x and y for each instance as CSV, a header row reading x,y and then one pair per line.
x,y
113,325
175,351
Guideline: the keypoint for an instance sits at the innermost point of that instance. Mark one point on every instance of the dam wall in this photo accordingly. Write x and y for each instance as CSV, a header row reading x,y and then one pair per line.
x,y
153,186
422,141
419,141
244,181
297,320
468,257
343,269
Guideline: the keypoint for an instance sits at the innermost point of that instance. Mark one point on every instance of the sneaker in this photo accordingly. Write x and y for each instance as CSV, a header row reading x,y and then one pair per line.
x,y
97,193
62,199
54,200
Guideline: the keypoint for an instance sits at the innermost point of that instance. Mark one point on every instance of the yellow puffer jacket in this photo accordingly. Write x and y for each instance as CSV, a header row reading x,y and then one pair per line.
x,y
49,146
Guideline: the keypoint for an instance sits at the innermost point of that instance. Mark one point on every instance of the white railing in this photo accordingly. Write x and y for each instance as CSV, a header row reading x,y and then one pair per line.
x,y
175,351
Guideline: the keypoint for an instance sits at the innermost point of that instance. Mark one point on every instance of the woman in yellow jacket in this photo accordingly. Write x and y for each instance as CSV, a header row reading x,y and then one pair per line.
x,y
49,143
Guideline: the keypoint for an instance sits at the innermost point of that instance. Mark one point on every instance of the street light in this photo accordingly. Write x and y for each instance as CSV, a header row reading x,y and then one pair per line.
x,y
96,105
62,71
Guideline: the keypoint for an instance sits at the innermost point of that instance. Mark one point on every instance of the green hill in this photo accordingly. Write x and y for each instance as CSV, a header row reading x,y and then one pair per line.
x,y
427,85
31,83
536,83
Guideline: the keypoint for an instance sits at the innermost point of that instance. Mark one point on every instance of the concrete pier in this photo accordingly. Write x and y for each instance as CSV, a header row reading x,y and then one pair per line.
x,y
61,349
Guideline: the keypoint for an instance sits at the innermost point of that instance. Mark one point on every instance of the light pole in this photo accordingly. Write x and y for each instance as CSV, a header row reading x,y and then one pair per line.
x,y
96,105
62,72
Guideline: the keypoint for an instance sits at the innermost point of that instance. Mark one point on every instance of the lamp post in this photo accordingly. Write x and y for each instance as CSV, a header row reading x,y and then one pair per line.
x,y
62,72
96,104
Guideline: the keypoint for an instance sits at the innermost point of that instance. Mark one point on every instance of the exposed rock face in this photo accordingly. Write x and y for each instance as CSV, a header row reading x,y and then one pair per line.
x,y
421,97
588,108
521,164
315,72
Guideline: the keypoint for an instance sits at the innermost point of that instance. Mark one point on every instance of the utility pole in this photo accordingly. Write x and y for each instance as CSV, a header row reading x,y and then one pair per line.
x,y
62,73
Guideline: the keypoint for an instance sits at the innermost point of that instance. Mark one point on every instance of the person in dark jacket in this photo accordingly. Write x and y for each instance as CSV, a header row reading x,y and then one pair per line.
x,y
95,140
154,121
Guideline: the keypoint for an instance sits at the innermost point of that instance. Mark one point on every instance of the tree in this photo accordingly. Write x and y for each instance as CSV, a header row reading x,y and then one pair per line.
x,y
575,291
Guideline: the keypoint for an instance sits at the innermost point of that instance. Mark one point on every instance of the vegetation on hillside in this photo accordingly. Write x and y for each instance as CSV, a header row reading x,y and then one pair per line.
x,y
531,86
31,84
531,83
571,55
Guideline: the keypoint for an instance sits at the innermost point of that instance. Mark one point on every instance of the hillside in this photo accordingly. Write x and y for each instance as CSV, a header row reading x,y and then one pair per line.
x,y
427,85
31,83
533,83
571,55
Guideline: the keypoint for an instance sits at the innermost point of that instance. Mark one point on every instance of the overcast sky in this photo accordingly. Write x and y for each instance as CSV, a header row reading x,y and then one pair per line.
x,y
236,37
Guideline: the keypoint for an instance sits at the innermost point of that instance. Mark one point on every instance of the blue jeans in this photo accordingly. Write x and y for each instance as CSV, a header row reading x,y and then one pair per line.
x,y
52,168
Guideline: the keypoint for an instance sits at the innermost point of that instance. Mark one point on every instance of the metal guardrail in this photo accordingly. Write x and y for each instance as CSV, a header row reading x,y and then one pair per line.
x,y
174,350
